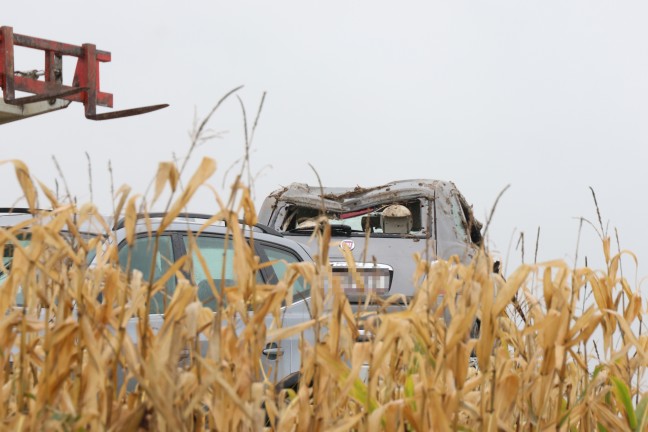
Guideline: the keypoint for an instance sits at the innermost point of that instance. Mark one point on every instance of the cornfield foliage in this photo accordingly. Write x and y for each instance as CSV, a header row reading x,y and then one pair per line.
x,y
558,348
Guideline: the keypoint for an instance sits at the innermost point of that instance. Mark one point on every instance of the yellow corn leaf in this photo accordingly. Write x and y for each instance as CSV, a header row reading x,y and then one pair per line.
x,y
167,172
249,213
608,418
90,345
218,216
460,327
512,285
122,193
601,294
634,308
579,360
205,171
507,392
285,332
25,181
584,327
375,418
182,296
346,424
64,331
606,249
171,272
628,334
130,219
49,194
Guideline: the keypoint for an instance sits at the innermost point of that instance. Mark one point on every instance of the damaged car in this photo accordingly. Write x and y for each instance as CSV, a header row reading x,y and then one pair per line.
x,y
383,227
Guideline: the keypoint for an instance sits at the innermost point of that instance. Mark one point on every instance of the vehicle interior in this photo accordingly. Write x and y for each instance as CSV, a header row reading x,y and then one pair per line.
x,y
377,219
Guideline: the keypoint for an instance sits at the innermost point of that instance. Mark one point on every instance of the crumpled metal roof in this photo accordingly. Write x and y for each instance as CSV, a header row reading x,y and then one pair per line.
x,y
350,198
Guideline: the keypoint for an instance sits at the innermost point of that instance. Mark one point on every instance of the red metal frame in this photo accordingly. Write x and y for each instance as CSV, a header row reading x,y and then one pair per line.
x,y
85,86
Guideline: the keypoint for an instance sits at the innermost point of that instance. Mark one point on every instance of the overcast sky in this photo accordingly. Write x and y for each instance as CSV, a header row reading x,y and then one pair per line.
x,y
548,96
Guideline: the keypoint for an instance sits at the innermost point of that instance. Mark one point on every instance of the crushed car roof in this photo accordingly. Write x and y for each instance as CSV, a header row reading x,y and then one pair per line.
x,y
341,198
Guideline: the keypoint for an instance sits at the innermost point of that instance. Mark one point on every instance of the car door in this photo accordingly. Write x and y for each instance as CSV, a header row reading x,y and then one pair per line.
x,y
142,256
281,358
211,256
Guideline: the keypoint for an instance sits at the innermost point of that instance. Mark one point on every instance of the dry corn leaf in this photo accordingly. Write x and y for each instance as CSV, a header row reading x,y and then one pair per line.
x,y
167,173
203,173
25,181
130,219
286,332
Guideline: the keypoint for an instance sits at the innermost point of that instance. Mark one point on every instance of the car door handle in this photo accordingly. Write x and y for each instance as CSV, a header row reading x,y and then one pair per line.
x,y
272,351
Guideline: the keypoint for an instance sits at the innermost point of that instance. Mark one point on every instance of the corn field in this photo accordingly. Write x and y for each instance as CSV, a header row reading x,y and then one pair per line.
x,y
558,348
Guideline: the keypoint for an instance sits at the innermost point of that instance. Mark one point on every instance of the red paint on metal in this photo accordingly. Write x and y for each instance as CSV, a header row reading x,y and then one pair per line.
x,y
85,86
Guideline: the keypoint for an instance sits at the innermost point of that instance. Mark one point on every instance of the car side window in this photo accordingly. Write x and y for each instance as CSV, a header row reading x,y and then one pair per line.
x,y
219,259
141,259
279,258
218,266
7,258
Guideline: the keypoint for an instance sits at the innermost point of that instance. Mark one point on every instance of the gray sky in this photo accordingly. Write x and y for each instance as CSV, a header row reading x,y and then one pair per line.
x,y
548,96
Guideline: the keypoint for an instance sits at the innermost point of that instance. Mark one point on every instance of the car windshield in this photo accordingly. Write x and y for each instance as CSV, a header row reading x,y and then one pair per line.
x,y
402,218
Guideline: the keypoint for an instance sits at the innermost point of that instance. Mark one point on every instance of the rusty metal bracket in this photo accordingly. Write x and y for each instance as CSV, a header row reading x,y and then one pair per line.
x,y
85,87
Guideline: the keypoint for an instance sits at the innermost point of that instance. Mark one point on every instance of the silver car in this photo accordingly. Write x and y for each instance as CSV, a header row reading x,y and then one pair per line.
x,y
21,220
382,226
218,253
211,243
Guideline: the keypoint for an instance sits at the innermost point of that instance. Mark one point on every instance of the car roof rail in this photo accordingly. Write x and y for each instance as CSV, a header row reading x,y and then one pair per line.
x,y
263,228
121,223
18,210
